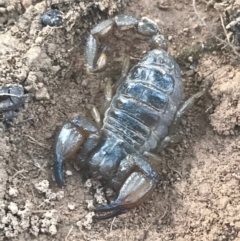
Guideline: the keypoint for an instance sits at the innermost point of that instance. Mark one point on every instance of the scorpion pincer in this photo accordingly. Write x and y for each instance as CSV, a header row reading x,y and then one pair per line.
x,y
141,116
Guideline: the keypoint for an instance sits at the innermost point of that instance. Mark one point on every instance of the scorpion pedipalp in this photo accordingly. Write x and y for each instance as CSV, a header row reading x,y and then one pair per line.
x,y
76,139
98,61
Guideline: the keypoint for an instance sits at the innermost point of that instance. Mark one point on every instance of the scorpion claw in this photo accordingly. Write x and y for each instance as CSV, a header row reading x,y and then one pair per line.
x,y
68,142
134,192
75,137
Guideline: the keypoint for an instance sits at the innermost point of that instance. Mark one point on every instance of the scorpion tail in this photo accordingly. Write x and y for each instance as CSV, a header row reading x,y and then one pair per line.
x,y
134,192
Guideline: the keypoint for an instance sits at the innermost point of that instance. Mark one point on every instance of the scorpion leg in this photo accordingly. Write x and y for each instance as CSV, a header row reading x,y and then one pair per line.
x,y
153,159
188,104
124,72
98,115
136,180
78,136
109,91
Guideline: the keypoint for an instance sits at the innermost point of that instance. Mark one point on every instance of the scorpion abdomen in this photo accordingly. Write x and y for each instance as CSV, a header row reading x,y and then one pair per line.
x,y
145,104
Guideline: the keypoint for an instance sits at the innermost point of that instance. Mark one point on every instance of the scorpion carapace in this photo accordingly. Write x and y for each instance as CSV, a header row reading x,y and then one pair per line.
x,y
140,117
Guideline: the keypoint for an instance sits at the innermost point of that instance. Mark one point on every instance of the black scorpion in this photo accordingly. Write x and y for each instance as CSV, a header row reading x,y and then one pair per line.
x,y
141,116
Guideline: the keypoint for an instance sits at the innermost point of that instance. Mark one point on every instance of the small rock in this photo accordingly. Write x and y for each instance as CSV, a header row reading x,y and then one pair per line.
x,y
60,195
56,68
3,3
22,75
26,3
2,10
42,186
204,190
71,207
42,94
190,59
50,195
84,82
90,205
68,173
13,192
100,196
37,58
190,73
88,184
223,202
52,230
14,29
237,226
39,40
10,8
87,221
13,207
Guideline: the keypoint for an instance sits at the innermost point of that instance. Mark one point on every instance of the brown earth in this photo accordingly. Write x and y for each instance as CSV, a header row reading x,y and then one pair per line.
x,y
198,194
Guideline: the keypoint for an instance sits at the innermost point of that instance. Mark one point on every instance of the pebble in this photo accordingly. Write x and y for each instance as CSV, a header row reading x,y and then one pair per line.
x,y
42,94
52,230
71,207
42,186
189,73
2,3
10,8
13,192
68,173
26,3
2,10
13,207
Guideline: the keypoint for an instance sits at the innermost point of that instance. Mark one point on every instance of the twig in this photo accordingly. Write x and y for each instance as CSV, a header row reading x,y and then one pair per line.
x,y
223,26
45,201
37,142
33,195
112,224
212,33
70,230
40,211
125,232
19,172
40,168
174,170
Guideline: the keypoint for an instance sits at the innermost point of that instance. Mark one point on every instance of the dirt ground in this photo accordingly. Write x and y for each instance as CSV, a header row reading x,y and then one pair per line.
x,y
197,197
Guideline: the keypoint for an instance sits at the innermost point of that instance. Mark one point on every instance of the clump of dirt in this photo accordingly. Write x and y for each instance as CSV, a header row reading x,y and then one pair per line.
x,y
226,116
